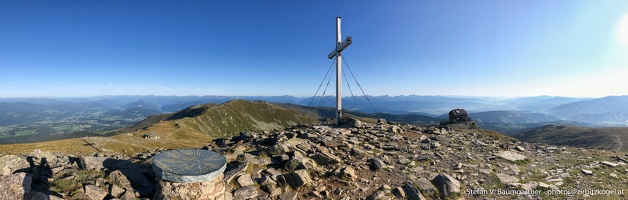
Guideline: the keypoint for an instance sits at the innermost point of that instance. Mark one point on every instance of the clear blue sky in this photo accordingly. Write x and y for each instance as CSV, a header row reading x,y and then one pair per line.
x,y
470,48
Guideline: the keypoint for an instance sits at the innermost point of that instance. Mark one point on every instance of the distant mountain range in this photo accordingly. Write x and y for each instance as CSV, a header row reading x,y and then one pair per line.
x,y
507,115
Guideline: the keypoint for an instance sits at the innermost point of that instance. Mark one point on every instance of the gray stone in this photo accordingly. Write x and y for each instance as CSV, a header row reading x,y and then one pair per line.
x,y
446,185
12,163
413,192
245,180
298,178
325,159
610,164
257,160
379,194
355,122
15,186
530,185
289,196
587,172
278,149
505,178
398,191
115,190
395,130
376,164
348,172
511,156
43,156
426,186
94,192
121,179
189,165
248,192
95,163
233,171
520,148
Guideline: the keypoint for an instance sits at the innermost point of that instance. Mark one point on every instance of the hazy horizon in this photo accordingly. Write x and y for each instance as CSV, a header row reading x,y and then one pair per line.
x,y
233,48
318,96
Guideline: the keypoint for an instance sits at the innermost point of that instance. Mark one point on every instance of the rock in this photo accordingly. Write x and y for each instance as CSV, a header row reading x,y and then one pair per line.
x,y
299,162
353,122
298,178
279,149
273,190
245,180
12,163
505,178
289,196
381,121
257,160
511,156
446,185
587,172
376,164
395,130
520,148
399,192
234,169
530,185
426,186
610,164
15,186
377,195
115,190
151,135
248,192
95,163
348,172
543,185
121,179
325,159
43,157
412,192
95,193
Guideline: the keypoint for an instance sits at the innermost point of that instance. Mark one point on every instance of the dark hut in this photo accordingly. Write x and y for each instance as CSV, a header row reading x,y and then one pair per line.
x,y
458,115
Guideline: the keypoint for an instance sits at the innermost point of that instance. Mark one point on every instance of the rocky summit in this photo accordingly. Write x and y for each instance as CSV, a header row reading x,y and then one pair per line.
x,y
362,161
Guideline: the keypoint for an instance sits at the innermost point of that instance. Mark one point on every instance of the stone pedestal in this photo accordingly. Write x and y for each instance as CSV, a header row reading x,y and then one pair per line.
x,y
190,174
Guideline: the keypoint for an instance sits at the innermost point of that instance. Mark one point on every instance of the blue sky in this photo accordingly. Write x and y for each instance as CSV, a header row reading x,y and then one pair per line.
x,y
468,48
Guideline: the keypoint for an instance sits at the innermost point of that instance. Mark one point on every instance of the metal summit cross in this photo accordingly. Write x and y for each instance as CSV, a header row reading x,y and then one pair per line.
x,y
337,52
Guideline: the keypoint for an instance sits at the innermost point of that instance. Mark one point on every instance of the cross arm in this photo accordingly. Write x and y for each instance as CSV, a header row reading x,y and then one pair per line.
x,y
341,47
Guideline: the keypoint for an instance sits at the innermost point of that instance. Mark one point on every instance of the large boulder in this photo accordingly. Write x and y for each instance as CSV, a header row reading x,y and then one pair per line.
x,y
9,164
446,185
298,178
15,186
412,192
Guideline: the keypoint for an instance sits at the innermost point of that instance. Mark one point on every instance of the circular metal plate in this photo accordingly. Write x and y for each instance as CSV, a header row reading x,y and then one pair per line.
x,y
189,165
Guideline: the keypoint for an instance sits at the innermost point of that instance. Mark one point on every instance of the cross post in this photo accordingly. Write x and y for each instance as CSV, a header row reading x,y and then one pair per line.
x,y
337,52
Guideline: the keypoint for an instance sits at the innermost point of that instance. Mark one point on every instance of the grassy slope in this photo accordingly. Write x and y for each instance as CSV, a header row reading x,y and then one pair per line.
x,y
608,138
179,130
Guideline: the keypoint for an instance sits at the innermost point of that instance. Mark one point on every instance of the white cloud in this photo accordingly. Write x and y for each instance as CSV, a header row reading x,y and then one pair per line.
x,y
622,30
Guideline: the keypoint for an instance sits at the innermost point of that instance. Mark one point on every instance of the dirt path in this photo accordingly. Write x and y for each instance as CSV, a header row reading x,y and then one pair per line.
x,y
620,144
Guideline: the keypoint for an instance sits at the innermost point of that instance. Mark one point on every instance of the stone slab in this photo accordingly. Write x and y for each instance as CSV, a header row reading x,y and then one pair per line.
x,y
189,165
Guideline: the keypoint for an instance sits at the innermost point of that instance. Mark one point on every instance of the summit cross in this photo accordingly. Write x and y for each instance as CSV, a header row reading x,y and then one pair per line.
x,y
337,52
